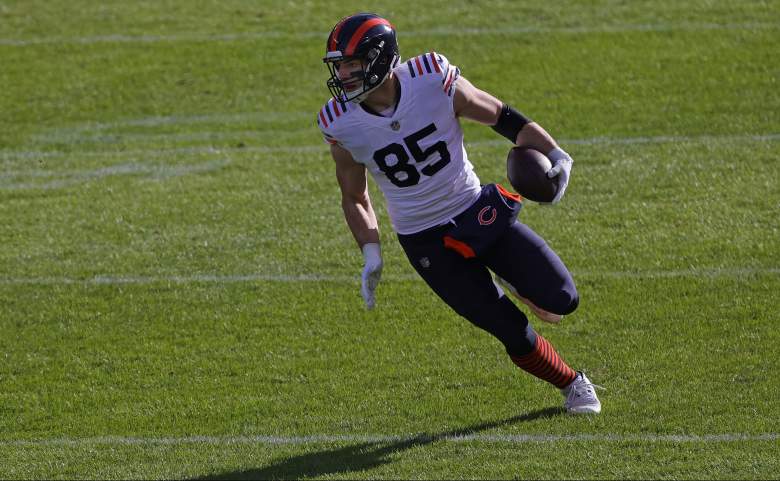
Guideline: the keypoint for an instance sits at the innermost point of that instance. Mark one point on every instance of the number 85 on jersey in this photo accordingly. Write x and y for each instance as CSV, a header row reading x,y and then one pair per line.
x,y
402,173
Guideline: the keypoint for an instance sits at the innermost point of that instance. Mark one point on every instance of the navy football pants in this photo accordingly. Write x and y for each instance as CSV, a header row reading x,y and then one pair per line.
x,y
519,256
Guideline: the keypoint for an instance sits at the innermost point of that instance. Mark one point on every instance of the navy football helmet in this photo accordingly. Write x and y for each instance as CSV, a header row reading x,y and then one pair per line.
x,y
365,37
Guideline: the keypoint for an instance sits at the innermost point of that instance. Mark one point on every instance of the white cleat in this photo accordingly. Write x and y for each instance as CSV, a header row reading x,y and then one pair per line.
x,y
546,316
581,396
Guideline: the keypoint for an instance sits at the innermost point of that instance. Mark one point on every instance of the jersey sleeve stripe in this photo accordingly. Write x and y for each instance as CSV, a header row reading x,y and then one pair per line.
x,y
327,111
425,61
419,67
435,63
322,117
336,108
446,80
444,65
411,68
451,83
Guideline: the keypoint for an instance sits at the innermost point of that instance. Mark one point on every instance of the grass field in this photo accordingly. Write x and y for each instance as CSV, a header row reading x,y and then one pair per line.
x,y
179,292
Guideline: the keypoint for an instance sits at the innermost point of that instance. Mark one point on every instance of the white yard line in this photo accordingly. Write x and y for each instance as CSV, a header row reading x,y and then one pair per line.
x,y
382,439
434,32
9,155
283,278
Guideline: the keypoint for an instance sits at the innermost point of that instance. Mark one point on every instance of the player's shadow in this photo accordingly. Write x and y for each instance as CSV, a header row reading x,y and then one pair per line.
x,y
362,456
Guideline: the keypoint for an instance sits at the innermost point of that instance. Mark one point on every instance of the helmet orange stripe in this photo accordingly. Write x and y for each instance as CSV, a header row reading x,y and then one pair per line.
x,y
335,35
367,25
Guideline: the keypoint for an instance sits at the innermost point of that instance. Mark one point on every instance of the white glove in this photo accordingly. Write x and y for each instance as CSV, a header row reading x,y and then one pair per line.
x,y
372,272
561,167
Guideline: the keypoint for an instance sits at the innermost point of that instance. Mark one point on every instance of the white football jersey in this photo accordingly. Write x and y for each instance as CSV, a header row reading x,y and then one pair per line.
x,y
416,156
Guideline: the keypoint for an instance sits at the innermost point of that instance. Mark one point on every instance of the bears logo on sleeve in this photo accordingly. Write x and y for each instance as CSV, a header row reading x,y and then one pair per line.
x,y
434,64
328,116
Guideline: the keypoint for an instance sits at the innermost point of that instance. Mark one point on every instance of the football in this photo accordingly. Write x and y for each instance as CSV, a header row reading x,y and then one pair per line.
x,y
526,170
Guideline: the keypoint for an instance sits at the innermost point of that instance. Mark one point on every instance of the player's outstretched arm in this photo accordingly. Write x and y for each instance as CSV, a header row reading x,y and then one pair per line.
x,y
475,104
478,105
360,218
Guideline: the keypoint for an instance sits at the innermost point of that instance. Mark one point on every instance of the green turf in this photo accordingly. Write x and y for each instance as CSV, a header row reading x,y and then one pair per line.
x,y
177,281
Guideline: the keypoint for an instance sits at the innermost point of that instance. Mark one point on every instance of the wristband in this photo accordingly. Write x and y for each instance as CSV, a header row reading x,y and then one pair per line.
x,y
510,123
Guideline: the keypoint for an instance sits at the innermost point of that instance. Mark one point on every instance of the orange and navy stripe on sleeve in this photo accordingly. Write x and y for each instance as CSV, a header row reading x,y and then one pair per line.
x,y
448,83
424,64
332,110
328,115
433,63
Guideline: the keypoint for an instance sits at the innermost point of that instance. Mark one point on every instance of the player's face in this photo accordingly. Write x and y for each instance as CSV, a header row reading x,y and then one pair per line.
x,y
350,74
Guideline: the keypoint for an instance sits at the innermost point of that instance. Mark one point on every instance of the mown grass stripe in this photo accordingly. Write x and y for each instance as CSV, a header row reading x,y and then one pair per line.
x,y
9,155
67,178
240,278
379,439
434,32
211,135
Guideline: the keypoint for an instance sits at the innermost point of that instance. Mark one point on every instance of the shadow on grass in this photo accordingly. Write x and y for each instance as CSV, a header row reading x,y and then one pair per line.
x,y
362,456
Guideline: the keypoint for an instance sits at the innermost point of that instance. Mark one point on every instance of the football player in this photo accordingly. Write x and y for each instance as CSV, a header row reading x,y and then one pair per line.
x,y
400,121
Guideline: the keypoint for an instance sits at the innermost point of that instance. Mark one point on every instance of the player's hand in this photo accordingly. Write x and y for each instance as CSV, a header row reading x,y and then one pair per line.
x,y
561,168
372,272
